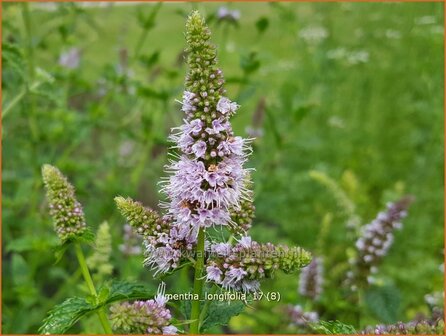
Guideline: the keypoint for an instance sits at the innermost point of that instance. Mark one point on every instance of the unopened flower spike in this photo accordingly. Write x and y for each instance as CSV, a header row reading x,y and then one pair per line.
x,y
143,317
67,212
144,220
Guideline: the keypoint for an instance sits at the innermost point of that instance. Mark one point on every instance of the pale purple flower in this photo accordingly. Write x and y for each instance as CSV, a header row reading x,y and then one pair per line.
x,y
187,103
300,317
222,249
224,13
225,106
199,149
213,273
70,59
170,330
245,241
234,274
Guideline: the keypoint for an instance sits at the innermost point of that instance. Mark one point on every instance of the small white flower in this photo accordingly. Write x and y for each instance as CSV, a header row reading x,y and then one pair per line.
x,y
160,297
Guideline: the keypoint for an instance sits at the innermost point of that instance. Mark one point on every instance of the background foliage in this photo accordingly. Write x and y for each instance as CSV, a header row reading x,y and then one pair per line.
x,y
341,92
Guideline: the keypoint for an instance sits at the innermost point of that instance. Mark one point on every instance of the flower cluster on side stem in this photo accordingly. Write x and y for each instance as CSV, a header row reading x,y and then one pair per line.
x,y
165,244
143,317
421,326
375,241
240,267
67,212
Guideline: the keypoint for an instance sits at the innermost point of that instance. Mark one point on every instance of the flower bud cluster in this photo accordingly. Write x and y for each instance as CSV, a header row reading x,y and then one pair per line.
x,y
421,327
99,261
311,279
67,213
143,317
375,241
240,267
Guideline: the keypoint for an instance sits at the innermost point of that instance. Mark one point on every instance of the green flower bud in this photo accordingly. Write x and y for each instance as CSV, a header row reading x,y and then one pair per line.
x,y
67,213
144,220
99,261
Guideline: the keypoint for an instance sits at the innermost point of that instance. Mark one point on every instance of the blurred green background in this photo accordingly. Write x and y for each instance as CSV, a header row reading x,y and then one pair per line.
x,y
346,101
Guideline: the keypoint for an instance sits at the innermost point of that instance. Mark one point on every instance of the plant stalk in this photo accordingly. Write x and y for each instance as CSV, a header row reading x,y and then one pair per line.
x,y
87,276
198,284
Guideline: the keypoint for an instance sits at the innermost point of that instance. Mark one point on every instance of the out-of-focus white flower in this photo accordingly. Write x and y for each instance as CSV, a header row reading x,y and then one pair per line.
x,y
425,20
356,57
315,34
392,34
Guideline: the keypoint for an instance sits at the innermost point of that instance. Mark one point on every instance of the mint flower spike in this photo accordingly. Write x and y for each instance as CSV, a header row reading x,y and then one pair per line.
x,y
311,279
99,261
375,241
207,183
241,266
67,213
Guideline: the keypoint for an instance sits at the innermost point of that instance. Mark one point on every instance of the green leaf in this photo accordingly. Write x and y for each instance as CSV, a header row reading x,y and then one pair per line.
x,y
20,270
262,24
32,243
150,60
250,63
87,237
123,290
62,317
384,303
59,252
332,328
219,313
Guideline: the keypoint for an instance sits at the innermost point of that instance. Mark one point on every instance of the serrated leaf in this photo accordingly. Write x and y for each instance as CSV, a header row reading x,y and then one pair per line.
x,y
333,328
12,59
219,313
123,290
62,317
87,237
32,243
384,303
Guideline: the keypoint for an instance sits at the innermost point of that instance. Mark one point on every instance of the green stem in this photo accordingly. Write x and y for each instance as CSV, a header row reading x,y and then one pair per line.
x,y
14,101
206,307
30,51
91,288
32,121
198,284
